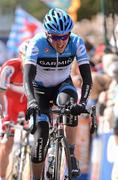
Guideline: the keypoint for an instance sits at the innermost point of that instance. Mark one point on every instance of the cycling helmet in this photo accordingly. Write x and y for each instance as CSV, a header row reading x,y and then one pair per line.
x,y
58,21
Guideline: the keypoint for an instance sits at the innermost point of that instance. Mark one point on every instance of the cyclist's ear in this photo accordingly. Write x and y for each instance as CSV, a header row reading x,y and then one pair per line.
x,y
47,35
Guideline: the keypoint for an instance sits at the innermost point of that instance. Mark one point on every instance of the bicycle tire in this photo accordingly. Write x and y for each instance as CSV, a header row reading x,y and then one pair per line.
x,y
45,166
62,146
57,165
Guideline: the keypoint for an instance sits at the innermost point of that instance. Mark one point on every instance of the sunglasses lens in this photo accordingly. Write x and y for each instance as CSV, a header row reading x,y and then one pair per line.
x,y
56,38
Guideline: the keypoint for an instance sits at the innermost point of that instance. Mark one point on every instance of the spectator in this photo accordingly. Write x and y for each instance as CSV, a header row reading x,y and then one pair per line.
x,y
108,99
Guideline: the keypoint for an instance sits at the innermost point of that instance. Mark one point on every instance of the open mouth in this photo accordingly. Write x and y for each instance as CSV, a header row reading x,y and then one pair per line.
x,y
60,47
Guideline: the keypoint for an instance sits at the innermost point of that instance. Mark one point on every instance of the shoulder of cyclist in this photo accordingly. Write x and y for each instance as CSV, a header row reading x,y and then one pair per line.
x,y
8,69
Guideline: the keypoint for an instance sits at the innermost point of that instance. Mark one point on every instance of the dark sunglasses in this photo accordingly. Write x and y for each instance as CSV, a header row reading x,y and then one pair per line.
x,y
56,38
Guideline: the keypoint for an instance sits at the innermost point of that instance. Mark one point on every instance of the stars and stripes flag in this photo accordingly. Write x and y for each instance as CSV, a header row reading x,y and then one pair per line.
x,y
25,26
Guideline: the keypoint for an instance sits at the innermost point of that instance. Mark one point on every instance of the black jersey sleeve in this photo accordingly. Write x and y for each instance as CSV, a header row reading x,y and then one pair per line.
x,y
29,75
85,72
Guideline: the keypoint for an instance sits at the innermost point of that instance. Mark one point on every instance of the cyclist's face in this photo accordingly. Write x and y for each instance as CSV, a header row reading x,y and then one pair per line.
x,y
59,42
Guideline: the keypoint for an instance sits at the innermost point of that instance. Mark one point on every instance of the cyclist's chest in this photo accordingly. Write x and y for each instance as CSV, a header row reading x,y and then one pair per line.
x,y
53,59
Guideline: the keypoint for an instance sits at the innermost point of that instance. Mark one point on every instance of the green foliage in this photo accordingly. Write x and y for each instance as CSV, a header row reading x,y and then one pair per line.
x,y
88,8
35,7
7,6
91,7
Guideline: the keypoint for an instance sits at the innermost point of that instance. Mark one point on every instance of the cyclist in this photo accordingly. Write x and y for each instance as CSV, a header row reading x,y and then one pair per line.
x,y
11,81
47,77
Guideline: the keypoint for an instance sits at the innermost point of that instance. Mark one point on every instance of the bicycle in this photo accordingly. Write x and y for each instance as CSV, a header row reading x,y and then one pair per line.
x,y
57,140
21,151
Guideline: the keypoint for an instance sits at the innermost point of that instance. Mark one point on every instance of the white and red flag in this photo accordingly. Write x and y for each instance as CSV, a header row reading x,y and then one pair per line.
x,y
25,26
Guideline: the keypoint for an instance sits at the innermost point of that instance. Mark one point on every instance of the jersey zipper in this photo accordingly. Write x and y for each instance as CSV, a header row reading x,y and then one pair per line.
x,y
57,61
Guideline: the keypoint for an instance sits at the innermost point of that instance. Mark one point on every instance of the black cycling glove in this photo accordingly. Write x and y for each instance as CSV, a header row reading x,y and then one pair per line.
x,y
77,109
32,108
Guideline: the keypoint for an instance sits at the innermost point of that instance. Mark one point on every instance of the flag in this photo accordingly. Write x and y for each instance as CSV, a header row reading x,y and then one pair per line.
x,y
25,26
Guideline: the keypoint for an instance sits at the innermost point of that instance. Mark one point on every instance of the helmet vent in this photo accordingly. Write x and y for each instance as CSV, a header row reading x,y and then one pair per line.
x,y
54,19
50,26
54,26
61,25
68,17
59,15
53,12
64,19
49,18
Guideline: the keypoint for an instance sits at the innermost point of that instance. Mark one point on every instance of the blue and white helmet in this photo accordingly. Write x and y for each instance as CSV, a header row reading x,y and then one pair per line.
x,y
58,21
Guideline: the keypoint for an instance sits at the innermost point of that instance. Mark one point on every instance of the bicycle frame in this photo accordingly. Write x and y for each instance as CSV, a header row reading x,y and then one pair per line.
x,y
57,135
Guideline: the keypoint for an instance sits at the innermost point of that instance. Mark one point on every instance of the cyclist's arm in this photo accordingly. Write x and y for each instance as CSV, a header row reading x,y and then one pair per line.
x,y
87,82
84,68
5,80
29,75
17,88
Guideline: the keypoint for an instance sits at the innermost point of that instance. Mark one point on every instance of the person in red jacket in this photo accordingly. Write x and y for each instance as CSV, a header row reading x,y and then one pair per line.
x,y
11,82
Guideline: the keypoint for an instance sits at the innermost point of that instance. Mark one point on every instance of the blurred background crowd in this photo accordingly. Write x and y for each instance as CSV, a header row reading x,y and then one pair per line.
x,y
97,22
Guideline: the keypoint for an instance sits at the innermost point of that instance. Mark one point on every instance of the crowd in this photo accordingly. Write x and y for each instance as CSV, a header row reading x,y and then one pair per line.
x,y
104,94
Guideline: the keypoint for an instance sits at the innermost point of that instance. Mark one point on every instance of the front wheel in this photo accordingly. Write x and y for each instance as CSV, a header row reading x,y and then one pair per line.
x,y
48,169
62,169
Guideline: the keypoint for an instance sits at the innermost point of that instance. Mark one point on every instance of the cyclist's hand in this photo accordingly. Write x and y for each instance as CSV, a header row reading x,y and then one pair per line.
x,y
32,109
77,109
